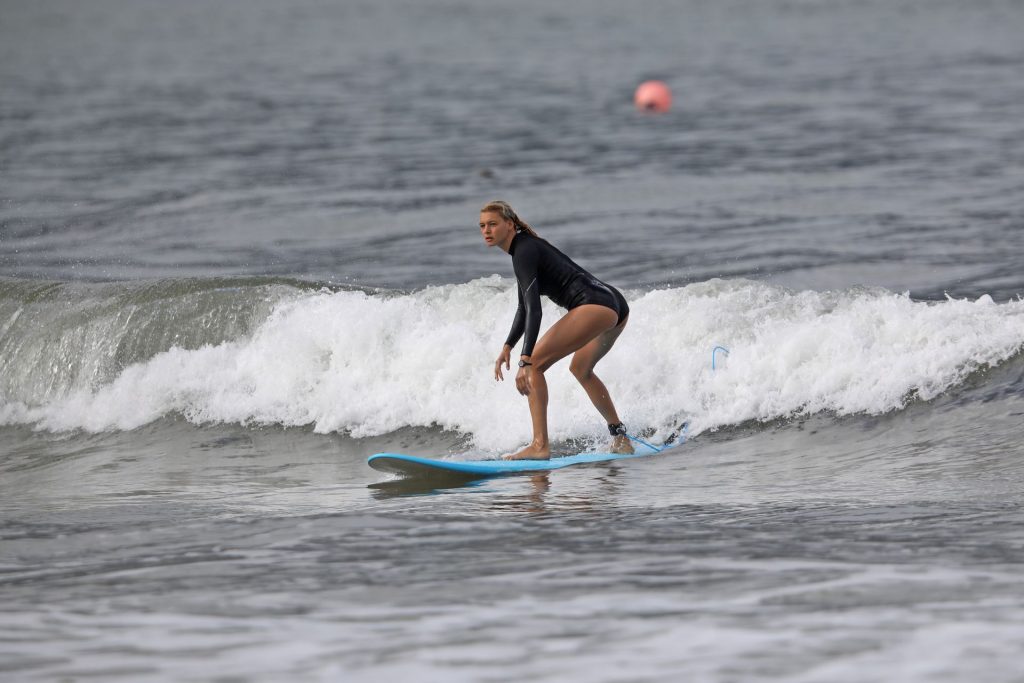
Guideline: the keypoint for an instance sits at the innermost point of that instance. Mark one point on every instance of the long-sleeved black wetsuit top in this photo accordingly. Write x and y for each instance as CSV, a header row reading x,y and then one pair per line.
x,y
542,269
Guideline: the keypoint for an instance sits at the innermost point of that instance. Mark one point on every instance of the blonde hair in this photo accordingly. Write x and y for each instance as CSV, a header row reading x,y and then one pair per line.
x,y
504,209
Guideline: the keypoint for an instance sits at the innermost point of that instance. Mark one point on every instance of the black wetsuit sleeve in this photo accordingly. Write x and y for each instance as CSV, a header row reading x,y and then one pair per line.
x,y
518,323
526,263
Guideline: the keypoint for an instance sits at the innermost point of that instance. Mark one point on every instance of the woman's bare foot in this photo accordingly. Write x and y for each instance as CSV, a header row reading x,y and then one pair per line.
x,y
531,452
621,445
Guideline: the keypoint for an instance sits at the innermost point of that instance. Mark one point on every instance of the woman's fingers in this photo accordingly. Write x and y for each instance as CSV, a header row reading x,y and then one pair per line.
x,y
502,358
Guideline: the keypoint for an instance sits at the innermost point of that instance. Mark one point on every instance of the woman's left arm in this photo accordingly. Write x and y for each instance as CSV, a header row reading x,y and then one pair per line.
x,y
527,264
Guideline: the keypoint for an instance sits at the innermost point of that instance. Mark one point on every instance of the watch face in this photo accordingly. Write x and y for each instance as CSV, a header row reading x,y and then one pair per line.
x,y
522,363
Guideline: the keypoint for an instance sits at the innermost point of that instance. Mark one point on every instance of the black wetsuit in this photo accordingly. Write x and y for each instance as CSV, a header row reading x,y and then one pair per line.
x,y
542,269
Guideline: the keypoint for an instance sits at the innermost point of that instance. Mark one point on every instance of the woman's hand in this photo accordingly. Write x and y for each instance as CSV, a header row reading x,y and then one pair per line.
x,y
523,380
503,357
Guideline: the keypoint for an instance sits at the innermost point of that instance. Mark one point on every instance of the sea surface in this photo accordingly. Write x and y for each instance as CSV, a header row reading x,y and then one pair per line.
x,y
239,254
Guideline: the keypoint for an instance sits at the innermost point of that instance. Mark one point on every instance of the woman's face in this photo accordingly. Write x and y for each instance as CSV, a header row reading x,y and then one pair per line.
x,y
495,228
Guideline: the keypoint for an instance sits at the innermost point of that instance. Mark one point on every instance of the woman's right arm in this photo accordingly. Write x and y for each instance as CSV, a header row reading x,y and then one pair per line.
x,y
518,325
526,263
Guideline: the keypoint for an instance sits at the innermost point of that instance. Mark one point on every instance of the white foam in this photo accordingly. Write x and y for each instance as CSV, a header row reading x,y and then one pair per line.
x,y
370,364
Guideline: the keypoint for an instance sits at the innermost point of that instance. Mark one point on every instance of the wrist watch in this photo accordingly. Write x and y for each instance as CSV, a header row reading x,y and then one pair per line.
x,y
524,363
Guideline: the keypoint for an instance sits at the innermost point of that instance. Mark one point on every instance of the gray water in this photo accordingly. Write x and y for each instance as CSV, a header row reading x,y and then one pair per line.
x,y
238,254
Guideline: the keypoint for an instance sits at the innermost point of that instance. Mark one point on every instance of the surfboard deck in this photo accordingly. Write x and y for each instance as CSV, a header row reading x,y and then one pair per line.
x,y
416,466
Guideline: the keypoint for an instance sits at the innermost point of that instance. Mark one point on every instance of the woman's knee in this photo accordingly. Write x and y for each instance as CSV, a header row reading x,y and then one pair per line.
x,y
543,365
541,360
581,369
546,354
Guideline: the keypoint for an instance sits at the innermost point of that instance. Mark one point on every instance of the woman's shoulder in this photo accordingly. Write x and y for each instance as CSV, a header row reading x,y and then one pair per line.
x,y
532,244
527,246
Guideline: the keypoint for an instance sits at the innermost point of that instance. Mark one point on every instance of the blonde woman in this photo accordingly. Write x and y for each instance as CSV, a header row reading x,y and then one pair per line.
x,y
597,315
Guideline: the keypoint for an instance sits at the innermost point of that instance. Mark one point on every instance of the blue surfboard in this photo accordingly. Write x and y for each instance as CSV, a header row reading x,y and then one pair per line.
x,y
416,466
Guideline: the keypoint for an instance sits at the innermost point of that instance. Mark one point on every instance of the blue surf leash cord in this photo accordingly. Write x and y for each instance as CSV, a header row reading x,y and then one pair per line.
x,y
681,434
683,427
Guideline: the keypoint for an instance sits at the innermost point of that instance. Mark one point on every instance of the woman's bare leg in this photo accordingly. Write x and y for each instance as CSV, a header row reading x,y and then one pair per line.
x,y
572,332
582,367
539,448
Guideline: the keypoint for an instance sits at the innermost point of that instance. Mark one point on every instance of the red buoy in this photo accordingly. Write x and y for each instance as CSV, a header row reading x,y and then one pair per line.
x,y
653,96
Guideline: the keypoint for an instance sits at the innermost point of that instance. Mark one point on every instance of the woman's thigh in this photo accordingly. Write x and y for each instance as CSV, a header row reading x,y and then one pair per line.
x,y
572,332
584,360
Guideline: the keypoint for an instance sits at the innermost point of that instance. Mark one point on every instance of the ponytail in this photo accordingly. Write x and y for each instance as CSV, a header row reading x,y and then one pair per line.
x,y
505,210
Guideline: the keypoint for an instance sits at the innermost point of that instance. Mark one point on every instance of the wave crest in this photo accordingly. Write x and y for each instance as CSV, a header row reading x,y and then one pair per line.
x,y
368,363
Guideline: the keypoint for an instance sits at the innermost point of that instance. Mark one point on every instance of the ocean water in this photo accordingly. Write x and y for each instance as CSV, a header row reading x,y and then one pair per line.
x,y
238,255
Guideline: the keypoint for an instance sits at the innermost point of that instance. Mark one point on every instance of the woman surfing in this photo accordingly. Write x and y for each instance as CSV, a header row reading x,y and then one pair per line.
x,y
597,315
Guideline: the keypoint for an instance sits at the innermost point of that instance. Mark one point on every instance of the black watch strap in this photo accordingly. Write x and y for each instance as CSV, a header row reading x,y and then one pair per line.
x,y
524,363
